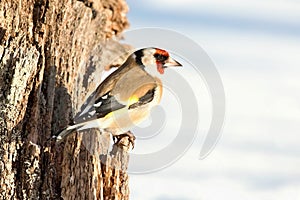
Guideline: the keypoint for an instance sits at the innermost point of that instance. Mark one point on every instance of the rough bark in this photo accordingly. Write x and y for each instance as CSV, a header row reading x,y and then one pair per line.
x,y
51,54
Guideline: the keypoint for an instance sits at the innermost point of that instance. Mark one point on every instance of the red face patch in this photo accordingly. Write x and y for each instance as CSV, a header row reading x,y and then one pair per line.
x,y
161,56
160,68
162,52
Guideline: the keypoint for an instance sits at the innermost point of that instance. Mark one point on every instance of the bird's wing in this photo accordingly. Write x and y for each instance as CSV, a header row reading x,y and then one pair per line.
x,y
106,104
109,103
126,87
99,108
145,99
103,91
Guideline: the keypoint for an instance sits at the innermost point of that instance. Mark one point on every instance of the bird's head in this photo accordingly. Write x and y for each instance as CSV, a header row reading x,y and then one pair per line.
x,y
155,60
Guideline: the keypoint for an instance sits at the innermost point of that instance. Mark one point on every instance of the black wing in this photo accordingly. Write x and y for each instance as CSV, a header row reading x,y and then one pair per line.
x,y
99,108
148,97
106,104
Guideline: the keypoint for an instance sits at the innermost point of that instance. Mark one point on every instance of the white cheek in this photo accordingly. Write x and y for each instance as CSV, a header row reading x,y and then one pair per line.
x,y
152,70
148,60
150,65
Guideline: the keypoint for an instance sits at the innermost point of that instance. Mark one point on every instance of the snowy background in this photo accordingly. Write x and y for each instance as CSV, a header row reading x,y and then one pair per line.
x,y
255,46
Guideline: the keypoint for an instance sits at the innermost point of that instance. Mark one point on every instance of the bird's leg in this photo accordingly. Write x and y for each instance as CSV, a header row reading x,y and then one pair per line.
x,y
131,138
115,138
118,138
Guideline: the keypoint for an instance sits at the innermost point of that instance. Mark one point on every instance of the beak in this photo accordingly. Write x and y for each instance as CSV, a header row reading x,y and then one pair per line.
x,y
172,63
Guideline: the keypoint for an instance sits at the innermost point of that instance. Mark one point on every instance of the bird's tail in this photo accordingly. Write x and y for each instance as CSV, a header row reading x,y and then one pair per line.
x,y
64,133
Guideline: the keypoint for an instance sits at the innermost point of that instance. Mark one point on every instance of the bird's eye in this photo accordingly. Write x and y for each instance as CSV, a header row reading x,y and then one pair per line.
x,y
160,57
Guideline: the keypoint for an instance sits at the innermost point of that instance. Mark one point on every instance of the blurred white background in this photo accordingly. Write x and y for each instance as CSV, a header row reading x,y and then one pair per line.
x,y
255,46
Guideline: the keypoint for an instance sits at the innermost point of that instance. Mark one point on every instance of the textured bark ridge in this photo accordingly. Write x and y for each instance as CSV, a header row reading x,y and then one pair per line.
x,y
51,54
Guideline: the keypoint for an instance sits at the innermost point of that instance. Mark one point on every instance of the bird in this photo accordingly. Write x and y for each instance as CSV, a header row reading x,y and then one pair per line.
x,y
125,97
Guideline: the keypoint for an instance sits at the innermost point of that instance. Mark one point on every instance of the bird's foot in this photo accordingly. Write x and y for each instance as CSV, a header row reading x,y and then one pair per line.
x,y
121,139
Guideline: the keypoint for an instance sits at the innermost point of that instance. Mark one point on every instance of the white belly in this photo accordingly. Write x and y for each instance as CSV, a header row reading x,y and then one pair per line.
x,y
119,121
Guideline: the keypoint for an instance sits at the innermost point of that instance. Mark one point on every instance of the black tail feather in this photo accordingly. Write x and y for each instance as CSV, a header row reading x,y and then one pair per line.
x,y
64,133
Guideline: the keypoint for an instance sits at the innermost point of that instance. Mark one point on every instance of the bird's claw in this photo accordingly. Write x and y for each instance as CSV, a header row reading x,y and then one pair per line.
x,y
118,139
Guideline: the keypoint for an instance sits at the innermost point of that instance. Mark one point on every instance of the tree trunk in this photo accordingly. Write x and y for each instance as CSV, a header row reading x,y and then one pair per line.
x,y
51,55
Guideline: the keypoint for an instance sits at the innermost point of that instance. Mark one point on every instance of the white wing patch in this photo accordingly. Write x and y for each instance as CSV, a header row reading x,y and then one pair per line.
x,y
98,104
92,113
86,109
104,75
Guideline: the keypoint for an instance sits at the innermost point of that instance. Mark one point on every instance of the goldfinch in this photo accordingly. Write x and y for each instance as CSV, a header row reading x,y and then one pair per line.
x,y
126,96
